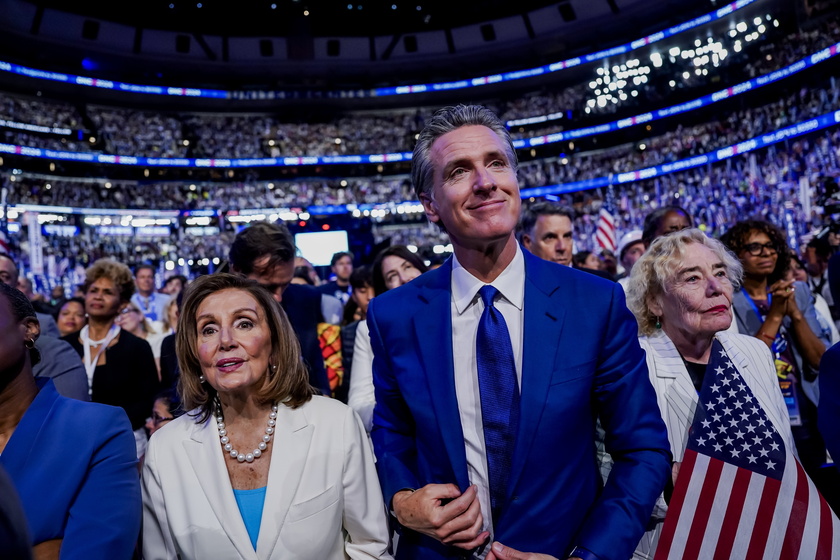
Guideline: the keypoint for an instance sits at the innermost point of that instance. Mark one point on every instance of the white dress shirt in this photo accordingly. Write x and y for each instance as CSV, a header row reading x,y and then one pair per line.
x,y
466,310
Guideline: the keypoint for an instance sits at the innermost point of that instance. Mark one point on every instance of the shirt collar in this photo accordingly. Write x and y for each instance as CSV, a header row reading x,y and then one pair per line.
x,y
511,283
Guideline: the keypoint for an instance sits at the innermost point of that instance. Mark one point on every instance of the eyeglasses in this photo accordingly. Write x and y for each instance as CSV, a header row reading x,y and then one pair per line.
x,y
157,419
755,249
128,310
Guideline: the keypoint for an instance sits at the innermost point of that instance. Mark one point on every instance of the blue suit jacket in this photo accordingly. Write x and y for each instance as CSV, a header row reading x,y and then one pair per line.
x,y
74,467
581,360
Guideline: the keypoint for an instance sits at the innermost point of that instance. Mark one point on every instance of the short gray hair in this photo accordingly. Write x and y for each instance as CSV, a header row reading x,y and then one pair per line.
x,y
650,275
444,121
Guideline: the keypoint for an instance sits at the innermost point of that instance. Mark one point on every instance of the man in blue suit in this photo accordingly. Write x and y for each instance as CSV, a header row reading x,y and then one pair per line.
x,y
468,458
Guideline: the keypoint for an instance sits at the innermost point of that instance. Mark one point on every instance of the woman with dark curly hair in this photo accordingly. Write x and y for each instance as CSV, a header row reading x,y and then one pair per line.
x,y
781,314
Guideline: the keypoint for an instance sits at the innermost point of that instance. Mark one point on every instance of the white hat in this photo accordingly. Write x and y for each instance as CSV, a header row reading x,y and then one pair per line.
x,y
629,238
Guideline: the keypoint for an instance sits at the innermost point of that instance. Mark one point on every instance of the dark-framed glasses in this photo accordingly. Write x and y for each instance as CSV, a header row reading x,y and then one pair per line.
x,y
755,249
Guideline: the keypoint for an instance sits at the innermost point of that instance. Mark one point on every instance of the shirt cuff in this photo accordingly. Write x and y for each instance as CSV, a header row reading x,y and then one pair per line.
x,y
583,554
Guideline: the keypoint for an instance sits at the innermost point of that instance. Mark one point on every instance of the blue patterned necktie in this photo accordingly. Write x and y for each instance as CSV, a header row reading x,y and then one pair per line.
x,y
499,396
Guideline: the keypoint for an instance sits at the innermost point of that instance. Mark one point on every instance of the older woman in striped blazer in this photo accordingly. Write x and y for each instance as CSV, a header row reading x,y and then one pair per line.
x,y
681,293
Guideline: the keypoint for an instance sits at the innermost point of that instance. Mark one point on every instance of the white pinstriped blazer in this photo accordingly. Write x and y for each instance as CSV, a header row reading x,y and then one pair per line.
x,y
677,399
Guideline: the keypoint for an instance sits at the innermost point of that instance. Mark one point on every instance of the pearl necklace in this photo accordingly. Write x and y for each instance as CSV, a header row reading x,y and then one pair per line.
x,y
228,446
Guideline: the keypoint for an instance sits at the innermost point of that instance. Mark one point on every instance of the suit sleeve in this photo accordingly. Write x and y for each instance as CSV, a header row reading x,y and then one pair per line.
x,y
635,436
104,519
365,519
157,539
829,407
61,363
393,432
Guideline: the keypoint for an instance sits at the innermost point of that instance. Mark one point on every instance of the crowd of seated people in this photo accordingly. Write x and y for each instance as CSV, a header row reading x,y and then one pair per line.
x,y
680,143
766,183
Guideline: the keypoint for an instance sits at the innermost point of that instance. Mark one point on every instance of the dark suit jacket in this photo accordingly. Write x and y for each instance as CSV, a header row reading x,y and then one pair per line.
x,y
581,360
302,305
169,371
127,379
61,363
829,407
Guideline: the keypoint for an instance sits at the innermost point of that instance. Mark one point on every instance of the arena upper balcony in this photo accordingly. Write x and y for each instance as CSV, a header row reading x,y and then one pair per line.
x,y
362,54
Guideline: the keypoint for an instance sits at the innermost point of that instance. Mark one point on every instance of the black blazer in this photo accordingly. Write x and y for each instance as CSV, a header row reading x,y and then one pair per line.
x,y
128,378
302,305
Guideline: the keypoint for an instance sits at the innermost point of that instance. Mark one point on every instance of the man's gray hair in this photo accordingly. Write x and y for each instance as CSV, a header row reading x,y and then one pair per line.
x,y
444,121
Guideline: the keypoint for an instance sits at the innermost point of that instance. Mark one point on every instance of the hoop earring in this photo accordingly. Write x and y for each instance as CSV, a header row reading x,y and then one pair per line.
x,y
201,379
29,343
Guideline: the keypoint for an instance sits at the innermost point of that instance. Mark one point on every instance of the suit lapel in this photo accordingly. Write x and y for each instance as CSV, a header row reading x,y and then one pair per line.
x,y
680,395
435,340
542,328
204,452
289,449
749,374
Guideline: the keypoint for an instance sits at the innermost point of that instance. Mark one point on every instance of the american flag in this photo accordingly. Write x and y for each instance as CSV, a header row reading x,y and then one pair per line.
x,y
605,233
740,492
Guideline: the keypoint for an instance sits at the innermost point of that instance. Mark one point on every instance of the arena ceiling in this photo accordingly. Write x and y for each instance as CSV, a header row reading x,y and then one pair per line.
x,y
319,43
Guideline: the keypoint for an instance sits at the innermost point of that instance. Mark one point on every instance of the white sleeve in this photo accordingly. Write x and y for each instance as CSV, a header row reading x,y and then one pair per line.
x,y
361,396
157,539
364,520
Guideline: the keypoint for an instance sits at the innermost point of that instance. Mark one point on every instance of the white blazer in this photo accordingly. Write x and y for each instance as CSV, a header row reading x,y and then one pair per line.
x,y
677,399
322,502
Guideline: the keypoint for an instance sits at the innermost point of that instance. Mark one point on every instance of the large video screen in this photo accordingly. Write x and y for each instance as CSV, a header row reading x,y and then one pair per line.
x,y
318,247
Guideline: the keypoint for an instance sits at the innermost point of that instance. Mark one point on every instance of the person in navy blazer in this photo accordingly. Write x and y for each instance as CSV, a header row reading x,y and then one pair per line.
x,y
580,361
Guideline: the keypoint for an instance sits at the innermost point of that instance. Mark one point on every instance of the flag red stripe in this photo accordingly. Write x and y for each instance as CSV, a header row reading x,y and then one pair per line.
x,y
764,518
824,542
729,527
706,500
798,515
669,528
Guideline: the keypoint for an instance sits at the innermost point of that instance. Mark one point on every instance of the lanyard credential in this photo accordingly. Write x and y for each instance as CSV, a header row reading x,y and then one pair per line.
x,y
90,361
784,369
780,343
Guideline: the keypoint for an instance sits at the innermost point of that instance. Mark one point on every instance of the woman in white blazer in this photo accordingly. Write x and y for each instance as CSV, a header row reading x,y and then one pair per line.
x,y
259,468
681,293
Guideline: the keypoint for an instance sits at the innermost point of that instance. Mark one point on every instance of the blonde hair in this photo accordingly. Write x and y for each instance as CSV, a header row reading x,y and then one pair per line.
x,y
651,274
287,378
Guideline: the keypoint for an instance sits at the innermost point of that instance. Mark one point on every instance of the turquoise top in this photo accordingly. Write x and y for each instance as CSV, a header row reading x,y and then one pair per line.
x,y
250,504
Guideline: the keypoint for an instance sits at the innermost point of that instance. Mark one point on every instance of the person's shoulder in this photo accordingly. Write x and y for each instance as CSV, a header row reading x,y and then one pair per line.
x,y
437,279
324,409
173,432
328,287
95,417
129,339
299,293
565,281
742,342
